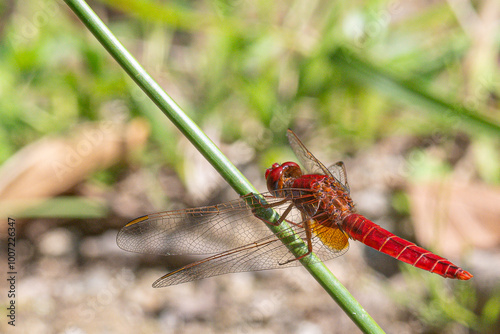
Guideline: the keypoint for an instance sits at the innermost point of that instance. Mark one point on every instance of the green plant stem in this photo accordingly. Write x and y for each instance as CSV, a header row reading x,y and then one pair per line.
x,y
235,179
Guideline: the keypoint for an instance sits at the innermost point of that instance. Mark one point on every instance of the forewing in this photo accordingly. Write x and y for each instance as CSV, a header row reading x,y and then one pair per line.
x,y
338,171
203,230
306,158
314,166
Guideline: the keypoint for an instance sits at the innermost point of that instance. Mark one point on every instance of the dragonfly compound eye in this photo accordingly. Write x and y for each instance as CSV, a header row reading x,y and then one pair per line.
x,y
278,174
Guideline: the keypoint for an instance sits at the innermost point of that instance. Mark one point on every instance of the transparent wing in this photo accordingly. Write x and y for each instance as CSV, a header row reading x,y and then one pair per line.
x,y
229,233
306,158
203,230
338,171
313,165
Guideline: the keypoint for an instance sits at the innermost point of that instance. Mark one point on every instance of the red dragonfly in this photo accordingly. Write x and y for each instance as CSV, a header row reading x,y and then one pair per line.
x,y
316,206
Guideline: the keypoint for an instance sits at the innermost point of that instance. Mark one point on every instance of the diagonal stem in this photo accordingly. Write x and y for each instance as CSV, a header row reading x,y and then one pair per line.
x,y
227,170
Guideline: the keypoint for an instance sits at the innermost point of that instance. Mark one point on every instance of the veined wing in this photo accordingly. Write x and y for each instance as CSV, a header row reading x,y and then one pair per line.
x,y
203,230
338,171
306,158
230,233
314,166
266,253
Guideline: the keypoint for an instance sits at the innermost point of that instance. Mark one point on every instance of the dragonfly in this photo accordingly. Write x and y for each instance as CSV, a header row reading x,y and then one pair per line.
x,y
315,207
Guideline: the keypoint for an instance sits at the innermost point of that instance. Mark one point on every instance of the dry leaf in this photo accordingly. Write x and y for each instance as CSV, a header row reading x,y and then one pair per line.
x,y
451,216
51,166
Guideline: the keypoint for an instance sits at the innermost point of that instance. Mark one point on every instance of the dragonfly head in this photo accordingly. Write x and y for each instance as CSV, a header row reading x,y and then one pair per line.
x,y
277,175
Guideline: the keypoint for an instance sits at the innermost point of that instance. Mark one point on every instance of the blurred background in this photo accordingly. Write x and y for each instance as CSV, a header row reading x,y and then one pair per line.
x,y
405,93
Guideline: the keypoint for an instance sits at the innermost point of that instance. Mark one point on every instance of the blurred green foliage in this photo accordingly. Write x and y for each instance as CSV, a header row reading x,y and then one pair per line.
x,y
249,69
442,309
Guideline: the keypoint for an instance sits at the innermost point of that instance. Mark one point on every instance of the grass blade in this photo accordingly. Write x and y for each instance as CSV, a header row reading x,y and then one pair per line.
x,y
412,92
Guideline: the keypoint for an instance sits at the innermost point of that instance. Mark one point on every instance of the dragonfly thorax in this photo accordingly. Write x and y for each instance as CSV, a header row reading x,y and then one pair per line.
x,y
333,201
313,194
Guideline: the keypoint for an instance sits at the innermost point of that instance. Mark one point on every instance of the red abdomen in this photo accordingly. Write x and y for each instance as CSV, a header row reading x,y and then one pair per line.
x,y
369,233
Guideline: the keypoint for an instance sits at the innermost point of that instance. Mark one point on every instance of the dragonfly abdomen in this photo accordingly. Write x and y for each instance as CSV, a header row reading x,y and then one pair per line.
x,y
361,229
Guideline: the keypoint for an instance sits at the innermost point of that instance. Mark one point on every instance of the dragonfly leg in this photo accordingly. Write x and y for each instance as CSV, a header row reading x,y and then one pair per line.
x,y
282,217
307,227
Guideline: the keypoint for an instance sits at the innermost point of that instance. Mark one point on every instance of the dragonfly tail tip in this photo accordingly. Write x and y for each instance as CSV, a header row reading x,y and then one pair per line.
x,y
464,275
